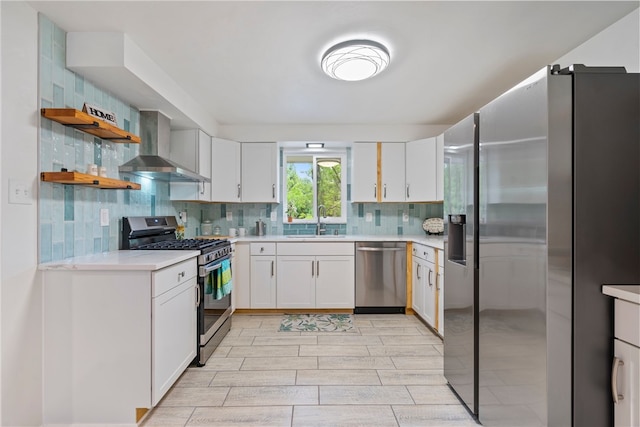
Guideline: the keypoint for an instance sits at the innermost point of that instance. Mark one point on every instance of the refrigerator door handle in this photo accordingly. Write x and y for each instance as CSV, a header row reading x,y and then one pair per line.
x,y
617,362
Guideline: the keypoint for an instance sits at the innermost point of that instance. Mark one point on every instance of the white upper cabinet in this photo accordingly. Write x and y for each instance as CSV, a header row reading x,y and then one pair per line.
x,y
225,171
440,167
393,172
364,182
260,172
191,149
421,170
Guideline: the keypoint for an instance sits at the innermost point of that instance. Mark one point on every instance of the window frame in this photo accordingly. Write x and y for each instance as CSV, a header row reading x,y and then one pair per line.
x,y
342,155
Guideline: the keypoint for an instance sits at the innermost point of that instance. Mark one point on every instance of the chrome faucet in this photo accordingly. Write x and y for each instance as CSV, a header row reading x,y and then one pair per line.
x,y
322,213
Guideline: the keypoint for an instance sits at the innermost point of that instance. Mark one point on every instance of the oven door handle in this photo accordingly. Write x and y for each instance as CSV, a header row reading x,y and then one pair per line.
x,y
206,269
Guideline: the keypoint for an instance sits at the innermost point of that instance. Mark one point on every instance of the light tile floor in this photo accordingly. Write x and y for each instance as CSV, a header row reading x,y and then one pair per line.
x,y
386,373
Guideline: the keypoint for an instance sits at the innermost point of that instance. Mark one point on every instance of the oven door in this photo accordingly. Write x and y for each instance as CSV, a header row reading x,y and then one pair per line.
x,y
212,312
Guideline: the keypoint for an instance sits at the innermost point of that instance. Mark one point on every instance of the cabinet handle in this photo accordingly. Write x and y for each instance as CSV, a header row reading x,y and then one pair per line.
x,y
430,283
317,268
262,249
407,191
614,380
272,268
197,296
385,191
418,271
375,191
312,271
239,191
437,282
201,187
181,275
273,191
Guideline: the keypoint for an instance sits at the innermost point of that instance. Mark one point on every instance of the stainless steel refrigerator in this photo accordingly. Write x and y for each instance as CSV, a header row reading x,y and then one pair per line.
x,y
542,197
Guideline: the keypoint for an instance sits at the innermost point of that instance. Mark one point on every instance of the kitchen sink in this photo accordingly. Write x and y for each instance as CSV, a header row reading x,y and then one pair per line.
x,y
315,236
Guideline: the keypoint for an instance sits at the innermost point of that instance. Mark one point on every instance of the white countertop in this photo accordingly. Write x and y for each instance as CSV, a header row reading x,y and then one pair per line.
x,y
433,241
629,293
122,260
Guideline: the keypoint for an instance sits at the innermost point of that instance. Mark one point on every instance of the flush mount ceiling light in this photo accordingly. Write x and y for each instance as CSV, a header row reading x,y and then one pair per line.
x,y
315,144
355,60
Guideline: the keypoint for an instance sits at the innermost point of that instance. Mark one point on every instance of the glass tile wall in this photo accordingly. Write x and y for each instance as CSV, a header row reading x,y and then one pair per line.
x,y
69,215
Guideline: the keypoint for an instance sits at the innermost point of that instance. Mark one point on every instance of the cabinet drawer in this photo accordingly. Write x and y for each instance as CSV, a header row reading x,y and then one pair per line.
x,y
263,248
627,322
424,252
170,277
313,249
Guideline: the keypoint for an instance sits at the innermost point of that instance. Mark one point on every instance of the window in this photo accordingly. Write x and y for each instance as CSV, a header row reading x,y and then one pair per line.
x,y
312,181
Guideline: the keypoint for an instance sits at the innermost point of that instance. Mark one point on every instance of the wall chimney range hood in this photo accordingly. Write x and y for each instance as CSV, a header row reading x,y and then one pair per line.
x,y
153,160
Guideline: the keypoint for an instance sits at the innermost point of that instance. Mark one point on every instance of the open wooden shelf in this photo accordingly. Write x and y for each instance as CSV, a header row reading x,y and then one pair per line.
x,y
77,178
89,124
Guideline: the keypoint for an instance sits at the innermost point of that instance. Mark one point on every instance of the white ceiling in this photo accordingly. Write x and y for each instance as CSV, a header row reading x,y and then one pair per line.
x,y
257,62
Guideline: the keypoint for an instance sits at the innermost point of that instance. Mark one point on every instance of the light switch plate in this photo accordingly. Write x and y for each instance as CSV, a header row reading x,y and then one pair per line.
x,y
19,192
229,216
368,217
274,216
104,217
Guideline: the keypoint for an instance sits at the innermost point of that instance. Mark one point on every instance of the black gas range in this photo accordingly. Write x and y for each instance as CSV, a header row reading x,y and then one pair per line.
x,y
159,233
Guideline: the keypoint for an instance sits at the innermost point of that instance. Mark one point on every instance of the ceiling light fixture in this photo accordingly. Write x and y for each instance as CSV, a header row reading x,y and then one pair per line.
x,y
355,60
315,144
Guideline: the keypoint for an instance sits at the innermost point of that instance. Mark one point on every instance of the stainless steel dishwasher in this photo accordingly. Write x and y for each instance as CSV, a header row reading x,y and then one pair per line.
x,y
381,277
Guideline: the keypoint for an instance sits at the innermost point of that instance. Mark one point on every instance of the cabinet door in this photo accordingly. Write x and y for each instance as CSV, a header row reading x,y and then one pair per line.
x,y
335,282
430,293
364,182
627,410
241,269
192,150
225,171
296,282
440,167
174,336
263,282
418,282
421,171
259,172
440,297
393,172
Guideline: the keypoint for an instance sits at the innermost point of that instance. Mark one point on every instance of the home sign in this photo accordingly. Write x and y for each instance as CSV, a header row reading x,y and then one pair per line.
x,y
107,116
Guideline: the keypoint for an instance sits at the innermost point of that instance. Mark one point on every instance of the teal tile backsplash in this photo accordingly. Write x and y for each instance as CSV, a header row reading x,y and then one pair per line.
x,y
69,215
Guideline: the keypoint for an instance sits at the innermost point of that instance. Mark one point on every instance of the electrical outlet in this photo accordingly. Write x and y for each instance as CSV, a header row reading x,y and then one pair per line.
x,y
405,217
229,216
368,217
19,192
183,217
104,217
274,216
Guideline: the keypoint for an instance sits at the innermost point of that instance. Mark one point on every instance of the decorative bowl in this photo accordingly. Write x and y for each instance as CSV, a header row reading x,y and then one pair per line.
x,y
433,225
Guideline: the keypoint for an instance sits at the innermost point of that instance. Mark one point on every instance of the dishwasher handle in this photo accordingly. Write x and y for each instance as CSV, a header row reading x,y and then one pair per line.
x,y
370,249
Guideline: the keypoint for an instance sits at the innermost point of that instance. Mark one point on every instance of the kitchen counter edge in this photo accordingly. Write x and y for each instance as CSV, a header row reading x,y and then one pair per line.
x,y
125,260
629,293
433,241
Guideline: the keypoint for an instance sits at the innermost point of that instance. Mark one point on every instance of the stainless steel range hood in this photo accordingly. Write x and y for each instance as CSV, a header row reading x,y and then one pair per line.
x,y
153,160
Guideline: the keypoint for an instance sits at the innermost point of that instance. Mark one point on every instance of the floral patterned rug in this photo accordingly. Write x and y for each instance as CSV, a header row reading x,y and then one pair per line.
x,y
317,323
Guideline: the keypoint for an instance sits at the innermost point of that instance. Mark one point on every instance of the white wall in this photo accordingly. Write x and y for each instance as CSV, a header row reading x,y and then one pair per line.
x,y
617,45
21,296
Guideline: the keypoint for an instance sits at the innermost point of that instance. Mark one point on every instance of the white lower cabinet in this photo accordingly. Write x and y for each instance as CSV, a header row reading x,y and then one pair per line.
x,y
627,362
241,295
174,336
424,283
309,278
263,275
440,292
114,341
